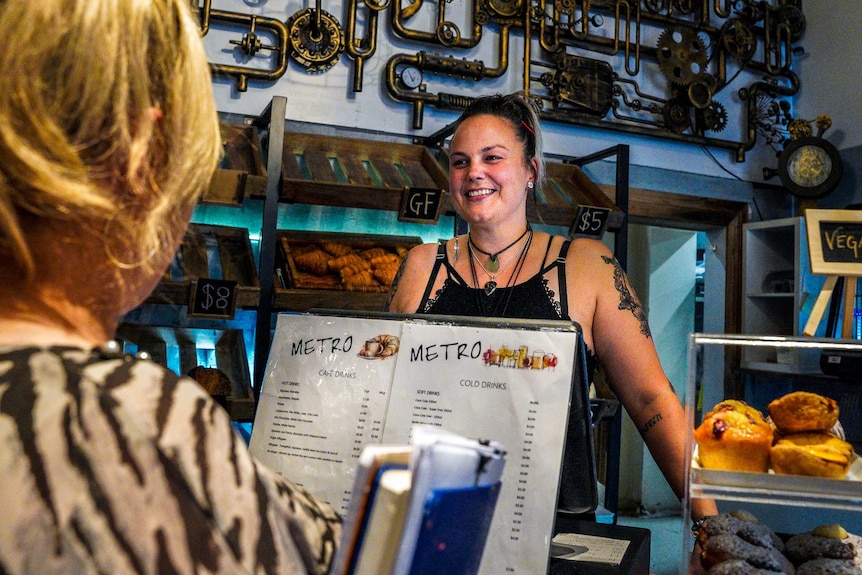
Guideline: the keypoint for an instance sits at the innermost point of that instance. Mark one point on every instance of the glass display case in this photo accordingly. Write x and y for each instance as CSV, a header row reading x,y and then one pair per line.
x,y
789,504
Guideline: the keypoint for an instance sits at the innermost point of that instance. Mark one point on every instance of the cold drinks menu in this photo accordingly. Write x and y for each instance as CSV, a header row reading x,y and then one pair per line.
x,y
335,384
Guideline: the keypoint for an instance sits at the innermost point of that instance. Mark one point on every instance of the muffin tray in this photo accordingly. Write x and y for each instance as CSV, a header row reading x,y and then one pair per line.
x,y
771,484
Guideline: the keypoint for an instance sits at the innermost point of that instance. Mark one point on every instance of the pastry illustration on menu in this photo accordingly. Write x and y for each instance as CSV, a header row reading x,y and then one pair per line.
x,y
380,347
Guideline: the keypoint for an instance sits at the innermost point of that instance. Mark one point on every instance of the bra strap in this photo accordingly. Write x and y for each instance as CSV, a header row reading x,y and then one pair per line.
x,y
561,278
438,261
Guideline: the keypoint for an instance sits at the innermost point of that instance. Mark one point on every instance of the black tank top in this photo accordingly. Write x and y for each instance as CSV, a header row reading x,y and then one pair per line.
x,y
531,299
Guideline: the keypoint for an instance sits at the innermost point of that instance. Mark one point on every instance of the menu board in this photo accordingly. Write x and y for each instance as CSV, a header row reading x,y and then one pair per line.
x,y
334,384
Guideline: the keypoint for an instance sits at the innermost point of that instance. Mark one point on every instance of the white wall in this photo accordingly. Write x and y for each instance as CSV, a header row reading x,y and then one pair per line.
x,y
829,72
662,271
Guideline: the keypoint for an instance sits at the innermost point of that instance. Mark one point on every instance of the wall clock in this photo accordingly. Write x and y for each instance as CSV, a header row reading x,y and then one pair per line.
x,y
810,167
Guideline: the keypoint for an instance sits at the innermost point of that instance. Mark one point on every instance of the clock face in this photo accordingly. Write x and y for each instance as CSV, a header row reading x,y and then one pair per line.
x,y
810,167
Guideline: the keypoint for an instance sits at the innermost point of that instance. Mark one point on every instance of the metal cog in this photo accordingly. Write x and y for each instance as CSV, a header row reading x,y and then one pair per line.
x,y
738,39
316,48
681,54
715,117
676,116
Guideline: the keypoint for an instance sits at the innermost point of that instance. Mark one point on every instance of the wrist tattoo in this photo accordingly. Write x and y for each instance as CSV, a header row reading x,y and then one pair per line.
x,y
627,299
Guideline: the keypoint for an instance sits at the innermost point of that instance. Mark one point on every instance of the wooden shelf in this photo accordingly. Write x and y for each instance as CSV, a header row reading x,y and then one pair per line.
x,y
347,172
242,172
206,248
180,350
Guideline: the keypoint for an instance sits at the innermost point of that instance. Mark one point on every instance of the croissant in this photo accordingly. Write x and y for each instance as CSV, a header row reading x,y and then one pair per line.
x,y
363,281
316,262
372,253
386,274
384,260
344,261
335,249
353,269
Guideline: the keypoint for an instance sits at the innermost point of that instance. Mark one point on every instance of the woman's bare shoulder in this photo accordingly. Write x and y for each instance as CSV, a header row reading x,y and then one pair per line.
x,y
587,250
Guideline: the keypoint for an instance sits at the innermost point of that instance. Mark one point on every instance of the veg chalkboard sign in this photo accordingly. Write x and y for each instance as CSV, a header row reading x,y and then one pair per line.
x,y
835,242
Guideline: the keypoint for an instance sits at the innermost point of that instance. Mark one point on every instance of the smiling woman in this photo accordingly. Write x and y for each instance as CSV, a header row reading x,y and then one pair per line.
x,y
503,268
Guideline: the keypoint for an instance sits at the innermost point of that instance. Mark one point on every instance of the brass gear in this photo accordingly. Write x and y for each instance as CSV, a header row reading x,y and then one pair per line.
x,y
738,40
677,116
315,47
681,54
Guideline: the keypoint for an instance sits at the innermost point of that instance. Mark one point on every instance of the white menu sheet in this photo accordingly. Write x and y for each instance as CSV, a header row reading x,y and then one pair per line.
x,y
322,401
512,386
334,384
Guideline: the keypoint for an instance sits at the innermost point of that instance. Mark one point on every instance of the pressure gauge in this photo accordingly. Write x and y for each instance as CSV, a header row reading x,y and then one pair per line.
x,y
411,77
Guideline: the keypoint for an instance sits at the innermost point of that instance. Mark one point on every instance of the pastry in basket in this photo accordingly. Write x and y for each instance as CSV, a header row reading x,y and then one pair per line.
x,y
825,542
362,281
818,454
372,253
335,249
354,269
215,381
803,411
734,436
336,264
386,274
385,259
315,261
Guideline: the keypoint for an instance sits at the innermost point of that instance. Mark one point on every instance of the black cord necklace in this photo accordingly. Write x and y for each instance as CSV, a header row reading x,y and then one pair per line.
x,y
493,261
522,257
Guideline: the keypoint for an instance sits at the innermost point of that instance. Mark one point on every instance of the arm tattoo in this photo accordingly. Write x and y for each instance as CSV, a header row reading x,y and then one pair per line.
x,y
627,300
394,285
650,424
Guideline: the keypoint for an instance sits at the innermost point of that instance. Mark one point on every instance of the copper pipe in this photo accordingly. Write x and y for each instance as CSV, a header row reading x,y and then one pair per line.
x,y
243,73
399,28
360,49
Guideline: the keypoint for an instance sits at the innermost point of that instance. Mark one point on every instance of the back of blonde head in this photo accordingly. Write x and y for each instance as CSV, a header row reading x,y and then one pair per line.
x,y
80,143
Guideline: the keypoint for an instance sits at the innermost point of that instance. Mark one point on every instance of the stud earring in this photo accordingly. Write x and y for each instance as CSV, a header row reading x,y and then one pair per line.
x,y
529,185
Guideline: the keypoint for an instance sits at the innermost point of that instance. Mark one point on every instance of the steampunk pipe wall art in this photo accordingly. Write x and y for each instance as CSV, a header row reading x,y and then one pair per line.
x,y
663,68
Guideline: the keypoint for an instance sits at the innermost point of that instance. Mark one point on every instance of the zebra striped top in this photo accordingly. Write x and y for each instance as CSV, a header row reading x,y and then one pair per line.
x,y
112,465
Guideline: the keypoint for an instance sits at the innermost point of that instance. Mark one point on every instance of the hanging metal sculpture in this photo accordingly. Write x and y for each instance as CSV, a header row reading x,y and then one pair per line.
x,y
663,68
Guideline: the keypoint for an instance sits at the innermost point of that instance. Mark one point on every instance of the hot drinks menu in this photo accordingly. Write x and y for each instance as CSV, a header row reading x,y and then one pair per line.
x,y
334,384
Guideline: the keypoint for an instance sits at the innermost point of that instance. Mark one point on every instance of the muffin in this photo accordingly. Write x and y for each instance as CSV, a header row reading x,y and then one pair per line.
x,y
734,436
803,411
817,454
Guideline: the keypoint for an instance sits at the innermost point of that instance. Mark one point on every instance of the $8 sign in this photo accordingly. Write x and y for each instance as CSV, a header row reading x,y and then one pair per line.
x,y
213,298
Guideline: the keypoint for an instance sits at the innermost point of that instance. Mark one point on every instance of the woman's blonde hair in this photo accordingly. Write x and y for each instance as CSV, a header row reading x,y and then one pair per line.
x,y
107,119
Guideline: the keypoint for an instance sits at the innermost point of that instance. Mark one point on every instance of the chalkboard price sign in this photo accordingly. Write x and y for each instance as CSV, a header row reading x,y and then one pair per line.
x,y
421,205
211,298
835,241
590,221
